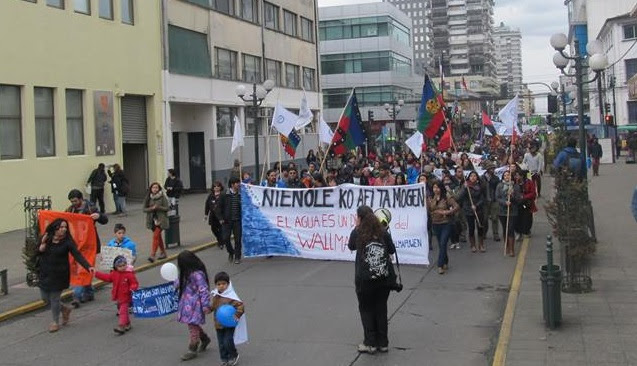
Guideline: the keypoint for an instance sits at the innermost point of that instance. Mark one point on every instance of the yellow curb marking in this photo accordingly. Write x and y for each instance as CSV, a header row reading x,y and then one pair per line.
x,y
35,305
499,359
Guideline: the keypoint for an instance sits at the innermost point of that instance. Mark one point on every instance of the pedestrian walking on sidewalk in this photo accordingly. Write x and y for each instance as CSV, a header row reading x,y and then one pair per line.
x,y
372,277
442,210
96,180
212,215
54,270
119,187
193,289
230,209
124,283
79,205
508,196
156,208
596,154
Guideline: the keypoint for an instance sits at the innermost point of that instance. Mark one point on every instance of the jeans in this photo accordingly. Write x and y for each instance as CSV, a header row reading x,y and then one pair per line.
x,y
232,227
120,203
443,232
83,293
52,298
372,306
227,350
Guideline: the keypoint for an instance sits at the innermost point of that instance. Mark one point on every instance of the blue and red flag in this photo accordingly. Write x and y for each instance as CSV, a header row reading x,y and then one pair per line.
x,y
431,115
349,132
290,142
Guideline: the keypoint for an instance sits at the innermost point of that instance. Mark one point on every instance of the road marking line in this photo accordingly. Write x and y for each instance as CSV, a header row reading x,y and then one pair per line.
x,y
35,305
499,358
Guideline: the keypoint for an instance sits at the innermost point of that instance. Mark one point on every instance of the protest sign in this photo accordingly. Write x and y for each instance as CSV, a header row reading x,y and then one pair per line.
x,y
316,223
108,254
82,230
155,301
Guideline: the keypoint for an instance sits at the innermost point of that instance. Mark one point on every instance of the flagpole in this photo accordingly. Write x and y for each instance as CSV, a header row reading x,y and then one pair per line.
x,y
267,153
240,163
506,233
337,126
280,158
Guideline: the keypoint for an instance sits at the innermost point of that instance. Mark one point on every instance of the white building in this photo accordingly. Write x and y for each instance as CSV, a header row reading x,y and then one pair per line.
x,y
211,47
508,59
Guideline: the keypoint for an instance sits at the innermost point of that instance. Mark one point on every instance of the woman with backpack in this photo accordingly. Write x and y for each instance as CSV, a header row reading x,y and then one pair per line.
x,y
373,277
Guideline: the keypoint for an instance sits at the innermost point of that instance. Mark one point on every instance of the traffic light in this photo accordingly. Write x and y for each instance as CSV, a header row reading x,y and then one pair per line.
x,y
609,119
370,116
552,103
607,108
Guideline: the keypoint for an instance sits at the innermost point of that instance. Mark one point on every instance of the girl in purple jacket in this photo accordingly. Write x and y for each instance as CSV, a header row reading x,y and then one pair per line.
x,y
193,289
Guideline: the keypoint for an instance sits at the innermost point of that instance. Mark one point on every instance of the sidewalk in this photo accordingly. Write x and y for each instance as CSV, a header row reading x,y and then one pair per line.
x,y
598,328
194,231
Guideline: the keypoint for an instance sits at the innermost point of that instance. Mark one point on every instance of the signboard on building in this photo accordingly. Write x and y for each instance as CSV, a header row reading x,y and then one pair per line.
x,y
104,129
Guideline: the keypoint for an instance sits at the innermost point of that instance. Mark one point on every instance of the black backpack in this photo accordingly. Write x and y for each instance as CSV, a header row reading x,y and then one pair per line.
x,y
376,264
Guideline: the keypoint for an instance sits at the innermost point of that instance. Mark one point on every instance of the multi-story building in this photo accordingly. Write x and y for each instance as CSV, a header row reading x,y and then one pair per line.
x,y
422,29
367,46
80,84
211,48
508,56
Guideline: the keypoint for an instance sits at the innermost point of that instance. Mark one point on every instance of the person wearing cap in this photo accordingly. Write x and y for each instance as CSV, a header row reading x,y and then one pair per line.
x,y
491,208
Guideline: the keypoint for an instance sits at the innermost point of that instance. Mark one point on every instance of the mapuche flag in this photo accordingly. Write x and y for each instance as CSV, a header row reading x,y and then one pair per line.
x,y
290,142
349,132
431,115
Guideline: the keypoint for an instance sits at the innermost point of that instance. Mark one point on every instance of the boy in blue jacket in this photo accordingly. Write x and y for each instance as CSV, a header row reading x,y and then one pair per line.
x,y
122,241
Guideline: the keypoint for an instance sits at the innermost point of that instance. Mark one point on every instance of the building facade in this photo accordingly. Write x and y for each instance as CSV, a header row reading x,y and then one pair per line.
x,y
422,30
508,56
211,47
80,84
367,46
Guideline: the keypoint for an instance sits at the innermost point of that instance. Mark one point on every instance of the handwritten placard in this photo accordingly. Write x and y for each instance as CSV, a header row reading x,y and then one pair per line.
x,y
108,254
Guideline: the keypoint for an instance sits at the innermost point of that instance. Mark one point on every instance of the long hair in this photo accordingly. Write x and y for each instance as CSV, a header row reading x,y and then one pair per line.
x,y
188,263
441,186
369,227
52,228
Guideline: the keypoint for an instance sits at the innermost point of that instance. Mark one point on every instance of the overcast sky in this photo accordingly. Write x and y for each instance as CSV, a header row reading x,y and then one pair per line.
x,y
537,20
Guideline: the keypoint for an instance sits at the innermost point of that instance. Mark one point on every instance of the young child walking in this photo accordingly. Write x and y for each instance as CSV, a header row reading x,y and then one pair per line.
x,y
124,282
122,241
193,289
224,294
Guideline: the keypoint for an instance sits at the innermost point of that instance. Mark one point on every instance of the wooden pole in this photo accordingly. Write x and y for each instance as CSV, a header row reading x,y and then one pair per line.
x,y
506,231
472,205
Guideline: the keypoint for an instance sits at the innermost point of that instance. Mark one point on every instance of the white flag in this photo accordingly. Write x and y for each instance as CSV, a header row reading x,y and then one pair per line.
x,y
509,114
325,132
305,114
283,120
415,143
237,136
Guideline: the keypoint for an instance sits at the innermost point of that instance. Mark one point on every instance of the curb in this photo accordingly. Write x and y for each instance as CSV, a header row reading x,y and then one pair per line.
x,y
39,304
499,358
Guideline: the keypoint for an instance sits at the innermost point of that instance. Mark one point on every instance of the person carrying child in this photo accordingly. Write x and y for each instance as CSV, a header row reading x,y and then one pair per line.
x,y
124,282
122,241
228,337
193,289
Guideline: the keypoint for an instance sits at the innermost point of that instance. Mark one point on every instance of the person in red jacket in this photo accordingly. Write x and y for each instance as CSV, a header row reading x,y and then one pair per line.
x,y
526,207
124,282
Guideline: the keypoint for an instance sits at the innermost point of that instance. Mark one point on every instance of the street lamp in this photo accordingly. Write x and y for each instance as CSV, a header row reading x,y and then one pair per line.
x,y
259,92
393,109
597,62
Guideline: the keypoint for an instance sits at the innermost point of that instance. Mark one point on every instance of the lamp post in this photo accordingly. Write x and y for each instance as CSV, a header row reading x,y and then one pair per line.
x,y
393,109
597,62
259,92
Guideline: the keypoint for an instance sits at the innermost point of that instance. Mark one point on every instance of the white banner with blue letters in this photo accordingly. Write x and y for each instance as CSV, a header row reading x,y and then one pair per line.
x,y
316,223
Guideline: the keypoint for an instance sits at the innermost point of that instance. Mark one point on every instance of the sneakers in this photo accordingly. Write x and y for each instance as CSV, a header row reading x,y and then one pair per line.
x,y
163,256
192,352
75,304
383,349
441,270
237,261
452,246
233,361
119,330
366,349
66,314
53,327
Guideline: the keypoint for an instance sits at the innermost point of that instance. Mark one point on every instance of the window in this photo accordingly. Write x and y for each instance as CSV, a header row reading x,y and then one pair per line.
x,y
289,23
350,63
308,78
251,69
82,6
273,71
106,9
188,52
307,29
631,68
55,3
128,12
74,122
630,31
10,122
249,10
226,64
632,111
292,76
44,122
224,6
225,117
271,15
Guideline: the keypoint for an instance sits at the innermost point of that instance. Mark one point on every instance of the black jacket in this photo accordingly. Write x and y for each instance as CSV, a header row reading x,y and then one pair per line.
x,y
211,209
87,208
296,184
226,203
491,184
54,270
97,179
391,249
173,187
477,193
119,183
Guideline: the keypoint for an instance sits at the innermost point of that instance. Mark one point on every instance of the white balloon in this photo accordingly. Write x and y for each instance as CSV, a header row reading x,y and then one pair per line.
x,y
169,272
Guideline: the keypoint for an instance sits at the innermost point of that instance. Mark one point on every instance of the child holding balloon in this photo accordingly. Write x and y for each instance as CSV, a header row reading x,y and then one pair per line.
x,y
228,309
193,291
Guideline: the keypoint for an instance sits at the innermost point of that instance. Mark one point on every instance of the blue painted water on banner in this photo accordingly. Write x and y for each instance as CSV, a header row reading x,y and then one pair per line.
x,y
260,237
155,301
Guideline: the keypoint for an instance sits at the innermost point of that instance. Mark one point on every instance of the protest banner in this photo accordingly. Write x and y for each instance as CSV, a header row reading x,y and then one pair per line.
x,y
155,301
108,254
82,230
316,223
